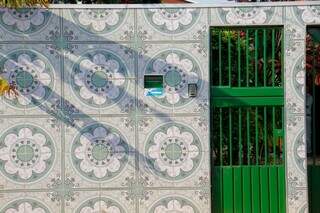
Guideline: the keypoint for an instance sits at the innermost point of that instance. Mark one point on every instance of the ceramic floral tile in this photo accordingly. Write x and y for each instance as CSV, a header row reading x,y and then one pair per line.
x,y
99,25
29,24
36,74
179,66
169,200
83,137
28,202
100,153
31,154
172,153
157,24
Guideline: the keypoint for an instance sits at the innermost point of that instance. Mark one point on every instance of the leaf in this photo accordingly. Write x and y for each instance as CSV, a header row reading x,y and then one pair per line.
x,y
4,86
317,79
24,3
7,88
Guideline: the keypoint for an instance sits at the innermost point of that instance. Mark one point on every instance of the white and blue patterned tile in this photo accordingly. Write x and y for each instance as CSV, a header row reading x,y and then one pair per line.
x,y
100,79
28,24
107,25
80,198
35,74
173,201
294,26
179,66
30,153
297,198
157,24
118,199
27,202
37,77
100,153
246,15
98,202
296,151
307,14
173,153
298,159
295,75
200,68
120,52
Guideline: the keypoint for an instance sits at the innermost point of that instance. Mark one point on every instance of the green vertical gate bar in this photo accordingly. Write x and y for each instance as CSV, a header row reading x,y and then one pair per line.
x,y
264,57
256,46
257,135
220,60
220,136
230,137
229,60
248,138
273,55
247,57
249,166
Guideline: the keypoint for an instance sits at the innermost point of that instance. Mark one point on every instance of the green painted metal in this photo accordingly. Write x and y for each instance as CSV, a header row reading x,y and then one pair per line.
x,y
246,92
249,189
314,186
247,99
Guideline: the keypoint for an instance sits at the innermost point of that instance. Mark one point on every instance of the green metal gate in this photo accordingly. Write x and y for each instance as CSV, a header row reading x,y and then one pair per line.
x,y
247,117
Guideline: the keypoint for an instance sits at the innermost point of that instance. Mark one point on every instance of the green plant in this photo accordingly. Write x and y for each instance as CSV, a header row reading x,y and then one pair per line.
x,y
15,4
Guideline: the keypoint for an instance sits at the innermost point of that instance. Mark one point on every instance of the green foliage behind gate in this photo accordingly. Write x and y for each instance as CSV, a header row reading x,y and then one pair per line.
x,y
312,115
247,99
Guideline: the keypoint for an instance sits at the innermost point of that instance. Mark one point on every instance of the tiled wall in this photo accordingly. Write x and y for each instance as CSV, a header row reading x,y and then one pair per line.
x,y
76,142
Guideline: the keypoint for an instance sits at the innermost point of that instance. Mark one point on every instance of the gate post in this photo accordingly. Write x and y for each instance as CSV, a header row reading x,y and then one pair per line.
x,y
294,62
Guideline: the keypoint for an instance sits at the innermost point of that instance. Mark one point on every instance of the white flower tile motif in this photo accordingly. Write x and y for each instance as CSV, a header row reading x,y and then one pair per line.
x,y
307,14
171,20
172,201
24,20
172,153
34,76
27,202
118,138
100,79
99,153
98,21
26,205
25,152
98,201
106,25
173,204
30,154
300,151
26,24
298,78
170,23
100,204
246,15
178,68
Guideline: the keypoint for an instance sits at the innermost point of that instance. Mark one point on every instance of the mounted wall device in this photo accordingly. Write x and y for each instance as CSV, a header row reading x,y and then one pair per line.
x,y
153,85
192,90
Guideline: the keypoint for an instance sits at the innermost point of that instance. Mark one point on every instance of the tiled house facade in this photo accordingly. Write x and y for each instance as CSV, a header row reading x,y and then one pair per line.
x,y
48,161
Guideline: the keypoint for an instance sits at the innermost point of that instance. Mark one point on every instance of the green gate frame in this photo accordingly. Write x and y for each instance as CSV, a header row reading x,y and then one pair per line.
x,y
239,186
